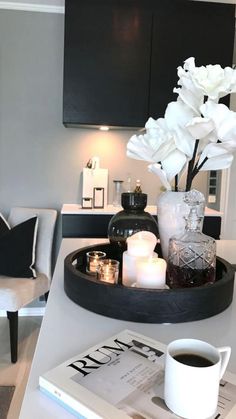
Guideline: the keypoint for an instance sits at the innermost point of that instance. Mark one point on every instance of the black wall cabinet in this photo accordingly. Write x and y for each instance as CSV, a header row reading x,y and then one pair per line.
x,y
86,225
121,56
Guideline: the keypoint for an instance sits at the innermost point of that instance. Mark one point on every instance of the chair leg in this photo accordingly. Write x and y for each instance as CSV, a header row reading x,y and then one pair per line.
x,y
13,326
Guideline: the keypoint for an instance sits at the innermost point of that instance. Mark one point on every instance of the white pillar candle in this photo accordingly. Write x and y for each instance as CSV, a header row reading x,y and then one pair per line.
x,y
129,268
141,244
151,273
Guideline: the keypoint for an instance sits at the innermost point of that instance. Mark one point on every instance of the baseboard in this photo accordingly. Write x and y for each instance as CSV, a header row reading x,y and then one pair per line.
x,y
27,311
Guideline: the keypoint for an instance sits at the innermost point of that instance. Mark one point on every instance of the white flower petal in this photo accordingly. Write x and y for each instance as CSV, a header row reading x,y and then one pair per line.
x,y
173,164
218,162
153,127
166,148
224,120
200,127
217,112
178,114
184,141
218,157
192,98
153,148
151,123
230,145
210,138
211,80
137,149
157,170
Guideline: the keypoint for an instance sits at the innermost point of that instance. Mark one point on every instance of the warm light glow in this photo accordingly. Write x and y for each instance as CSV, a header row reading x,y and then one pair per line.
x,y
104,128
141,244
151,273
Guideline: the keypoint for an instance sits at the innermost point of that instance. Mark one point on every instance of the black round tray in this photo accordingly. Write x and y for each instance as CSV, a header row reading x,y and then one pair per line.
x,y
141,304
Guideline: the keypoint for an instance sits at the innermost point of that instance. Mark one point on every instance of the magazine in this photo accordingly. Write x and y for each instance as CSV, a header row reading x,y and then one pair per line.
x,y
122,377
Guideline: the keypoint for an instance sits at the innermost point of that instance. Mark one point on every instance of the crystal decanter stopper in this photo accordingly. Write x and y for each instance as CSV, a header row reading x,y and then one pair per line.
x,y
192,256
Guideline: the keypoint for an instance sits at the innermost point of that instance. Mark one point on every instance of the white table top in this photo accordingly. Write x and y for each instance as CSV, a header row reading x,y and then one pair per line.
x,y
68,329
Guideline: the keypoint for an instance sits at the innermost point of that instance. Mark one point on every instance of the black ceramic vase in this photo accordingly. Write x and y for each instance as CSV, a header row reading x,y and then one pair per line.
x,y
130,220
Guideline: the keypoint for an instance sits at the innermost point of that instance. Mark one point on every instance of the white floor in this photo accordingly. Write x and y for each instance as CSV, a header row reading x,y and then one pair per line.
x,y
17,374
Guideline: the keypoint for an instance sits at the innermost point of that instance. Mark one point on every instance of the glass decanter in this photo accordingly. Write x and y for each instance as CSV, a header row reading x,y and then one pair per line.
x,y
192,256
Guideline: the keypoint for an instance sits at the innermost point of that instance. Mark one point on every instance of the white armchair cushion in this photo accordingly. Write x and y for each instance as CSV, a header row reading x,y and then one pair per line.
x,y
17,292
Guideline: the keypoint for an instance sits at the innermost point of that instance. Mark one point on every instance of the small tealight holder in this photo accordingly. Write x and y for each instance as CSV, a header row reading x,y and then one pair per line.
x,y
108,271
93,259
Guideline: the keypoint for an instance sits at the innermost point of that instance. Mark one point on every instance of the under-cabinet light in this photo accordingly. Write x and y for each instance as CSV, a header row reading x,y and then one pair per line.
x,y
104,128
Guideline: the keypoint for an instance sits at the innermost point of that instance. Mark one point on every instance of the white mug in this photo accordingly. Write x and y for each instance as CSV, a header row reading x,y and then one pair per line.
x,y
193,370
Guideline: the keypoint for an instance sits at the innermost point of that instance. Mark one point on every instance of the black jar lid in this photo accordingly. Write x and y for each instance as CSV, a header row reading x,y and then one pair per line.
x,y
133,200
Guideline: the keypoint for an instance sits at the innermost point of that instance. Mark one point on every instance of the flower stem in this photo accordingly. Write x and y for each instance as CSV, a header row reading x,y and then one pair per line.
x,y
190,174
176,183
198,168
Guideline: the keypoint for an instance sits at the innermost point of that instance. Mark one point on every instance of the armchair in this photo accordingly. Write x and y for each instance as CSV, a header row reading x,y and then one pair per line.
x,y
16,293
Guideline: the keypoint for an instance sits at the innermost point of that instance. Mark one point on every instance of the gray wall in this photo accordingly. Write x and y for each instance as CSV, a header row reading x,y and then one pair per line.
x,y
41,160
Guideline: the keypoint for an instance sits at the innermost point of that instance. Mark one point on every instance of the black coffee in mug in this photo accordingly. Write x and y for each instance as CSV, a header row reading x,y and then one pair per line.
x,y
193,360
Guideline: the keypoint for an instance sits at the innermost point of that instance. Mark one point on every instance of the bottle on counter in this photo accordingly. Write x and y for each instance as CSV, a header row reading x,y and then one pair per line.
x,y
138,188
117,191
128,183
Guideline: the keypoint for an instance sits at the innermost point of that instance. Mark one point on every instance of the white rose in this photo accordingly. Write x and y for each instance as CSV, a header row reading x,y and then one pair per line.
x,y
211,80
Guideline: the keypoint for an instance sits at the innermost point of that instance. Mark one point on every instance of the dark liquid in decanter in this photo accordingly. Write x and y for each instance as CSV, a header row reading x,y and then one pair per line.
x,y
185,277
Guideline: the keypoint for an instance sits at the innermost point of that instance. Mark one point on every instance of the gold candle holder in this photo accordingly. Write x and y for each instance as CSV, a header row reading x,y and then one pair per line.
x,y
93,259
108,271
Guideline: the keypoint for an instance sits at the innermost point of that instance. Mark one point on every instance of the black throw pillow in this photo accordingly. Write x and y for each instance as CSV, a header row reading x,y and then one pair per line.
x,y
4,226
17,249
